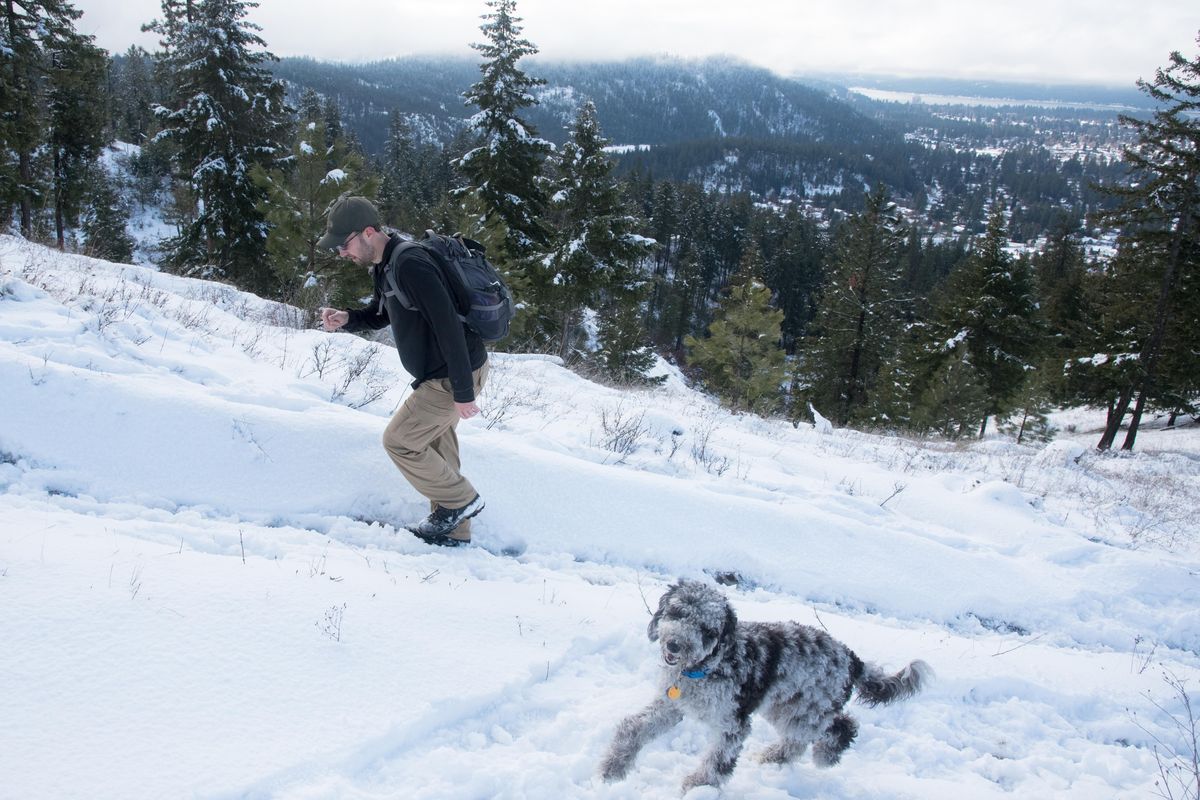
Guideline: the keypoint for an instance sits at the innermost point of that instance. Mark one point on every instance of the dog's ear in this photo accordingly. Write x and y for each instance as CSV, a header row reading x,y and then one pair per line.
x,y
729,628
652,628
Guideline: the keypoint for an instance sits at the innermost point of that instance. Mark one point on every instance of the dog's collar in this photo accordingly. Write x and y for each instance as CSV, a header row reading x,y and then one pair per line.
x,y
674,692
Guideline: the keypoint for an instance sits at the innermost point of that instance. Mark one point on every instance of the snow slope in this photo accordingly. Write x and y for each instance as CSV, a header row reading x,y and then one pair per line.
x,y
202,592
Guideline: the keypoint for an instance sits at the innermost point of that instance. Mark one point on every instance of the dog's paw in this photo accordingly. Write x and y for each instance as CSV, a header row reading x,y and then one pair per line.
x,y
695,781
613,770
771,755
703,791
780,753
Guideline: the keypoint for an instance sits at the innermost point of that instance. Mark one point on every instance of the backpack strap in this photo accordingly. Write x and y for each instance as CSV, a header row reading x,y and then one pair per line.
x,y
391,288
447,252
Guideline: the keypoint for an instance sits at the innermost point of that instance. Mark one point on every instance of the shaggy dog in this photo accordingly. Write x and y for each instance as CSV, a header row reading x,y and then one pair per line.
x,y
721,671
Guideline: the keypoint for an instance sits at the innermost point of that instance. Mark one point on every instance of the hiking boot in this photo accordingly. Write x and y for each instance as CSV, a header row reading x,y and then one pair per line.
x,y
437,527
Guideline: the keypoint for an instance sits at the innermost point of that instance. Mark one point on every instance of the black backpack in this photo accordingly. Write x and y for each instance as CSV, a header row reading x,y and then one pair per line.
x,y
481,297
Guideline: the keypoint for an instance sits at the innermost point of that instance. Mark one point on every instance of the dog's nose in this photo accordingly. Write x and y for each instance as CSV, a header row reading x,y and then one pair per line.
x,y
672,646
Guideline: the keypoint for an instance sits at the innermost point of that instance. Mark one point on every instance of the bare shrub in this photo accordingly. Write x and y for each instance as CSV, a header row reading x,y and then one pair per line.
x,y
193,315
1178,760
284,316
251,346
676,443
621,431
361,368
503,402
322,355
702,452
331,623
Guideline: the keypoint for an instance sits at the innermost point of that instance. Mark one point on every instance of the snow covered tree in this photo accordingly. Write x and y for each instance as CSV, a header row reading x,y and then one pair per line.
x,y
504,171
687,281
106,219
76,113
1061,273
310,106
952,399
133,94
1029,421
862,310
334,129
225,115
989,306
1105,361
794,251
740,359
298,196
1158,267
624,355
596,250
663,217
32,32
415,179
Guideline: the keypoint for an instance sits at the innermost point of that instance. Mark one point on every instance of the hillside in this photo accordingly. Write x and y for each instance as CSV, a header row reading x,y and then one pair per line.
x,y
204,592
651,101
733,127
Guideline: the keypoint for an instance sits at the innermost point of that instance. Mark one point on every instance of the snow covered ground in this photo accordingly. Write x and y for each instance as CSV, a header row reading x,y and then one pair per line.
x,y
198,598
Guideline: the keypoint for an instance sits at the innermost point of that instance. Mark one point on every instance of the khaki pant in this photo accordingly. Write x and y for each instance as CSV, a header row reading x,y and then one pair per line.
x,y
423,445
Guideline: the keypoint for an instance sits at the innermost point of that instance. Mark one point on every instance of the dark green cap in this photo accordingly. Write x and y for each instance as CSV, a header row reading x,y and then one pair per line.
x,y
348,214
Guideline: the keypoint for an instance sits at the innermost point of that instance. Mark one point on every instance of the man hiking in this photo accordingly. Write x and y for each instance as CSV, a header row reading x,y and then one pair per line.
x,y
447,360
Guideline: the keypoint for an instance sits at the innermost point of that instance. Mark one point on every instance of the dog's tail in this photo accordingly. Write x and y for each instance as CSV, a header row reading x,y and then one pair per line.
x,y
875,687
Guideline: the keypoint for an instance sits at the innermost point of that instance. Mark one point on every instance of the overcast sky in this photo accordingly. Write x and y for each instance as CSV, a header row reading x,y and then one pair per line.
x,y
1079,41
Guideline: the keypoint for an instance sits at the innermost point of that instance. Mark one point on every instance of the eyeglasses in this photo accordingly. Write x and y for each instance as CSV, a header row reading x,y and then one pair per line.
x,y
344,246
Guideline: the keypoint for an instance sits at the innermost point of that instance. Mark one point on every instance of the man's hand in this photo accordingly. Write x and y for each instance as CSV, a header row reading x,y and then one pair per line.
x,y
466,410
332,318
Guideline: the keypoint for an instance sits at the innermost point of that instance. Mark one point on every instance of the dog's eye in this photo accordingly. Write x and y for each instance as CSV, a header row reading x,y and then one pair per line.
x,y
673,613
707,634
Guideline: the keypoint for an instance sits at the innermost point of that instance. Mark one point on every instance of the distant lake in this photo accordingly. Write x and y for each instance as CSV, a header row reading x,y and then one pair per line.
x,y
888,96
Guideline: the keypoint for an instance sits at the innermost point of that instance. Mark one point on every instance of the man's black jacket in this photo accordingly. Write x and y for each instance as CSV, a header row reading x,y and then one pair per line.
x,y
432,340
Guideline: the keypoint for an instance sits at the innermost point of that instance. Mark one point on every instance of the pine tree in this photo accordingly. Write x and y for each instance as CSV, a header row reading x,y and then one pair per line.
x,y
333,123
596,251
133,94
31,33
225,115
1030,421
861,312
76,112
298,197
400,192
664,224
989,306
1159,260
687,279
1105,362
1060,270
953,401
684,291
1062,279
740,359
310,107
106,219
794,250
624,355
504,170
